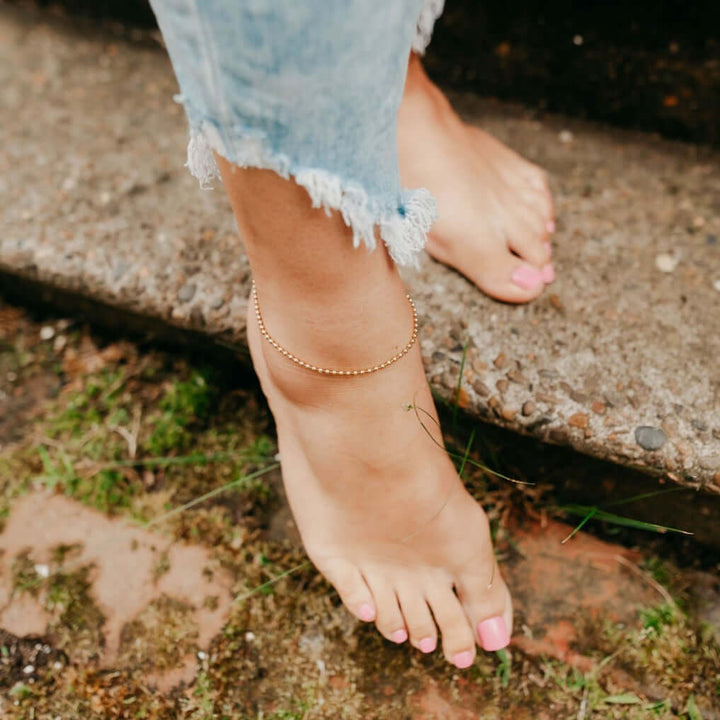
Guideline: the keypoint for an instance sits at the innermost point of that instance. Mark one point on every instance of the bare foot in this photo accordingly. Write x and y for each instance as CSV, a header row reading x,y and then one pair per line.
x,y
495,208
380,508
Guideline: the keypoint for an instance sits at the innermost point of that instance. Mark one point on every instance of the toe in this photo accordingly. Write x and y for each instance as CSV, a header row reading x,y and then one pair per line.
x,y
418,619
508,278
527,236
489,609
389,620
458,639
347,579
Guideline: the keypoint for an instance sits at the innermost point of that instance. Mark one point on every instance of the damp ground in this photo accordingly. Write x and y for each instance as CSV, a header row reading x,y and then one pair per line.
x,y
150,567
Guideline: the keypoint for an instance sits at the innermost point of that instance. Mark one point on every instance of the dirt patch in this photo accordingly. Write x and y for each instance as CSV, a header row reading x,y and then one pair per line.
x,y
212,610
179,611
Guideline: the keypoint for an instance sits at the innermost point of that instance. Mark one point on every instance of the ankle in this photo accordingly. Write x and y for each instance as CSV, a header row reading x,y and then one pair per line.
x,y
355,330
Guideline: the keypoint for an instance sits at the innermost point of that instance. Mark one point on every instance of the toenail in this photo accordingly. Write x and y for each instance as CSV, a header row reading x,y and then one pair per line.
x,y
493,634
548,247
427,645
463,660
399,636
550,226
548,273
526,277
366,613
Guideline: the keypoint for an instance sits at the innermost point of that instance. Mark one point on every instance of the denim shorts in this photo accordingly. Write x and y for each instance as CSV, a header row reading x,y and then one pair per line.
x,y
311,90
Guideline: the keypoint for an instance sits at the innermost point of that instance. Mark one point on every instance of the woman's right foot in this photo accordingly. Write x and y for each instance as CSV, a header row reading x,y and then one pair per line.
x,y
382,513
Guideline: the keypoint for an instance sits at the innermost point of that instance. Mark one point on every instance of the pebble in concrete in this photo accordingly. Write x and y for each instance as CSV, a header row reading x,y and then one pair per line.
x,y
649,437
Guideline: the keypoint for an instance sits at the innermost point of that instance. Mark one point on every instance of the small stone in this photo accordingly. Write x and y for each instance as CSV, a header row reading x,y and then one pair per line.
x,y
461,398
528,408
249,636
502,385
565,137
578,397
508,414
187,292
649,437
47,332
481,388
120,269
438,356
578,420
699,425
544,397
217,303
556,302
711,240
558,435
28,669
598,407
517,377
42,570
500,361
710,460
549,374
202,655
479,367
666,263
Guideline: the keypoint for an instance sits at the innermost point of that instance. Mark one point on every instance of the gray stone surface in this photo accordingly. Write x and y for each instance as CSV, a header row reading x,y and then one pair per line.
x,y
94,199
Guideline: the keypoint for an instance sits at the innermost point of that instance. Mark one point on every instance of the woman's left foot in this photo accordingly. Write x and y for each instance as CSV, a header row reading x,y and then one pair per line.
x,y
496,214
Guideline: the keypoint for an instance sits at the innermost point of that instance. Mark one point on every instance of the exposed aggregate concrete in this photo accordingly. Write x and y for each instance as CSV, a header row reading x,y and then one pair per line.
x,y
619,359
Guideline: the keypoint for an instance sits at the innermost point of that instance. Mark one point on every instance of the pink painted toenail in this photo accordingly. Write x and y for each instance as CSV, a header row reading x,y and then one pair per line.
x,y
548,273
463,660
427,645
399,636
548,247
493,634
526,277
366,613
550,226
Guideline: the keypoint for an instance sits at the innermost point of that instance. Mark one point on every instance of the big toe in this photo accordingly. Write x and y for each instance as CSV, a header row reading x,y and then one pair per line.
x,y
489,607
511,279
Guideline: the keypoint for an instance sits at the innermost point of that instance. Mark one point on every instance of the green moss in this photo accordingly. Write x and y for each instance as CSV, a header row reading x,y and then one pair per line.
x,y
78,621
160,637
181,409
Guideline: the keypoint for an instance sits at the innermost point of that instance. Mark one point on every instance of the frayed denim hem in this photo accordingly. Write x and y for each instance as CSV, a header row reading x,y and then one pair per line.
x,y
431,11
402,226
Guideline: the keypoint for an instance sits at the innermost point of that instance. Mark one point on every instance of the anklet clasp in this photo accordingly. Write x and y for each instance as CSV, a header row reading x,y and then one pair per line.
x,y
332,371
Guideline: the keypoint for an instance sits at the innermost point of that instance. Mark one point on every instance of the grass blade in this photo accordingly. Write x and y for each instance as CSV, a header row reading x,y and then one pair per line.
x,y
217,491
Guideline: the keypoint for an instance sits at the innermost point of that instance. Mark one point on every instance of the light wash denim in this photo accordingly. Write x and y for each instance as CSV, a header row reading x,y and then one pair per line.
x,y
311,90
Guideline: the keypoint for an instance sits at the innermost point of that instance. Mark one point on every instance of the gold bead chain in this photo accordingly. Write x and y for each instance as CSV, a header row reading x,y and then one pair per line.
x,y
331,371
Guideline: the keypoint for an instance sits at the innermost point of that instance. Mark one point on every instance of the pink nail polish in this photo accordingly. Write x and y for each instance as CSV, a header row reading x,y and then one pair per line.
x,y
399,636
548,247
366,613
550,226
493,634
427,645
463,660
526,277
548,273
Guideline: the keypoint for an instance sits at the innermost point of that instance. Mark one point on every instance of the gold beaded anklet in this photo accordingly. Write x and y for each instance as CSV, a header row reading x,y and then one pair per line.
x,y
331,371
